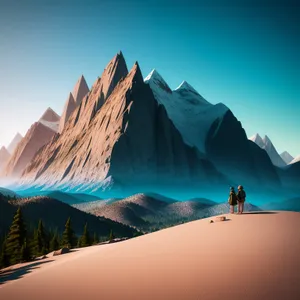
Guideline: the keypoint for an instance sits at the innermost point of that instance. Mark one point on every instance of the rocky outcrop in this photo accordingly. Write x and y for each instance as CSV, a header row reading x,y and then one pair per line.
x,y
14,143
4,157
120,135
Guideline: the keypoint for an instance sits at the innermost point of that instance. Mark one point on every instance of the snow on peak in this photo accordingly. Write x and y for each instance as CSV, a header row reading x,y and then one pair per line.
x,y
186,86
154,78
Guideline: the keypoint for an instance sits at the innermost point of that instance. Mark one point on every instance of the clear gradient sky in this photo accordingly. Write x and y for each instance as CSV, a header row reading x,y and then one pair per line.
x,y
242,53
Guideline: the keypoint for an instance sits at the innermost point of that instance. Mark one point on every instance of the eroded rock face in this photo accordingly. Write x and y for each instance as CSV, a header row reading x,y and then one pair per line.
x,y
119,134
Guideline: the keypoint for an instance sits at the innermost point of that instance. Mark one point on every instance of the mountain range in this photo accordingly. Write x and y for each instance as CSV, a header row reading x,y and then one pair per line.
x,y
130,135
148,212
45,208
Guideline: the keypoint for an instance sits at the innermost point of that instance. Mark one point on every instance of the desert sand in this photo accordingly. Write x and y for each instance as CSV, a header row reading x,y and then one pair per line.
x,y
250,256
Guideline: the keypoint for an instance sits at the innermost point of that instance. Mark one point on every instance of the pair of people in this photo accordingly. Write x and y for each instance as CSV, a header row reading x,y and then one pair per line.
x,y
237,198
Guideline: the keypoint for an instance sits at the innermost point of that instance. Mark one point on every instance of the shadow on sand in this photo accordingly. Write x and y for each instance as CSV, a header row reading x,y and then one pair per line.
x,y
15,274
259,213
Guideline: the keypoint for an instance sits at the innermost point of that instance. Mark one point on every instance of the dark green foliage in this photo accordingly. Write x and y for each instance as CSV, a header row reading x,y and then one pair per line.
x,y
96,239
16,238
85,239
4,258
54,243
68,237
25,252
111,236
41,240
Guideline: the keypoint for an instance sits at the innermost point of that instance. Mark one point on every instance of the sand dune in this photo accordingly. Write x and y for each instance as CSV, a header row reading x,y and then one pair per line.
x,y
251,256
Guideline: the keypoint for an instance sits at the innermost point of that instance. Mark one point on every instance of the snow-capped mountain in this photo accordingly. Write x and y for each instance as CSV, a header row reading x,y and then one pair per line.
x,y
191,113
287,158
14,143
266,144
121,135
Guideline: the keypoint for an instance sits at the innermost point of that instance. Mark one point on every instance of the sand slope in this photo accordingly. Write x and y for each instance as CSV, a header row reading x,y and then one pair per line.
x,y
252,256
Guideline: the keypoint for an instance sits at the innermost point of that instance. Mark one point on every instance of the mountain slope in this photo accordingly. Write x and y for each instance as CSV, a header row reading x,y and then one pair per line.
x,y
36,137
80,90
126,141
197,260
54,214
210,128
69,108
240,159
266,144
14,143
287,158
4,157
147,212
191,113
50,119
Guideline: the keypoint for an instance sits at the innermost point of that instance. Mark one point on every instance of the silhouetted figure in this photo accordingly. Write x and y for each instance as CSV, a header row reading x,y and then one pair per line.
x,y
232,200
241,195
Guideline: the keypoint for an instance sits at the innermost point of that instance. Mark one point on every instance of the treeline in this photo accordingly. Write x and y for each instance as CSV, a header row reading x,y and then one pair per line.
x,y
20,245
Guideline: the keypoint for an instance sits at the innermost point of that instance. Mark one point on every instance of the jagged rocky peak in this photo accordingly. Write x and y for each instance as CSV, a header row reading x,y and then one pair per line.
x,y
50,115
14,143
155,78
69,108
80,90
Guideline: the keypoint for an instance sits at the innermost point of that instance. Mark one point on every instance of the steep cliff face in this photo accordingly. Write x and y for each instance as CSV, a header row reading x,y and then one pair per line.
x,y
234,155
129,142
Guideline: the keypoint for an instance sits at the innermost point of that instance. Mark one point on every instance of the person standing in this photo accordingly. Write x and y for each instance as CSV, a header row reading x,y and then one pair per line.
x,y
241,195
232,200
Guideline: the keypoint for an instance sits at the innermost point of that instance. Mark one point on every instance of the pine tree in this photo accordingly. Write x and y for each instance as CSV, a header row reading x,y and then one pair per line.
x,y
41,240
4,258
16,238
96,239
25,252
54,243
68,238
111,235
85,239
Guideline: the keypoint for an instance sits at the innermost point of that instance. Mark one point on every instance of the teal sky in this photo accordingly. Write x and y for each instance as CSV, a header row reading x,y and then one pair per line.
x,y
242,53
